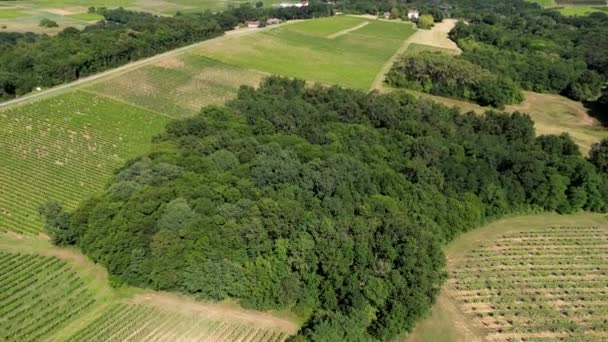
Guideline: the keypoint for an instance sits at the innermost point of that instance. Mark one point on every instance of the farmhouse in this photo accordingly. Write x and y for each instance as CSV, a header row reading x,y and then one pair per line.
x,y
387,15
253,24
413,14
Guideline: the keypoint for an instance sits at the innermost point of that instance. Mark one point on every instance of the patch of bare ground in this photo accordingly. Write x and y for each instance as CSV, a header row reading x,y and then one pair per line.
x,y
437,36
14,235
173,62
218,311
65,11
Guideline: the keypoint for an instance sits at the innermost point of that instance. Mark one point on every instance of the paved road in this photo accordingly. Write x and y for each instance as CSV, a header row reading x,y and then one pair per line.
x,y
129,66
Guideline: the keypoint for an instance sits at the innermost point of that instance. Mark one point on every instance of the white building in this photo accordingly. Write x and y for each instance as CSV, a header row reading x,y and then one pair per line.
x,y
413,14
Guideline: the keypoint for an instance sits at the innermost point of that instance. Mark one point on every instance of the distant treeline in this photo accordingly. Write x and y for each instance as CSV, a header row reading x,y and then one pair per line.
x,y
445,75
29,60
330,202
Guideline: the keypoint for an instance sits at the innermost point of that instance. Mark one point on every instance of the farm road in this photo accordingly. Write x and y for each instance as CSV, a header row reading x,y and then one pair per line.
x,y
130,66
436,37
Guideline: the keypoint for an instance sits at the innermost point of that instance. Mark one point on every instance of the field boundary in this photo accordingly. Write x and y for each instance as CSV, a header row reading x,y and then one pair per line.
x,y
130,66
348,30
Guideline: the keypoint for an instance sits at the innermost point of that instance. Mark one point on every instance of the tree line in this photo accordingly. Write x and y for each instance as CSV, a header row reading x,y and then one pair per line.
x,y
330,202
29,60
445,75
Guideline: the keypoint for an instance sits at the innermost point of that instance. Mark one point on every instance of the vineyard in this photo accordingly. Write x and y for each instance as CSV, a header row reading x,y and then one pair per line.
x,y
538,284
65,148
38,295
142,322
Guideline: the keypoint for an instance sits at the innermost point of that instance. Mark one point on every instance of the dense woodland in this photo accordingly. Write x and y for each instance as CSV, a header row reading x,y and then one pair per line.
x,y
29,60
331,202
446,75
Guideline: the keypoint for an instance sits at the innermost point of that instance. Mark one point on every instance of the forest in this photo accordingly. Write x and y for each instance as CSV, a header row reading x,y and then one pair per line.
x,y
329,202
29,60
445,75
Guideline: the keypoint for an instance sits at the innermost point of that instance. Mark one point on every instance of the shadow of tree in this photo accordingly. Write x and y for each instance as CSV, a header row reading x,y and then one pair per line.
x,y
599,111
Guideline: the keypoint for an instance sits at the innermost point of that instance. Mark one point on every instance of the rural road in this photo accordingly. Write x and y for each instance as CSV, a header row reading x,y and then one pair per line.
x,y
130,66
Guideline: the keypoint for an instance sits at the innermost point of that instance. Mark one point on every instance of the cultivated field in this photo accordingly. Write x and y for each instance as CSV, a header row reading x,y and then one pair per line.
x,y
178,86
534,278
65,148
311,50
38,295
53,294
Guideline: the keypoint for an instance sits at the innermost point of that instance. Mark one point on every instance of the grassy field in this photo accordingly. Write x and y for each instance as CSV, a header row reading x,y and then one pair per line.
x,y
573,11
532,278
65,148
48,293
87,16
544,3
552,114
352,59
10,14
415,48
178,86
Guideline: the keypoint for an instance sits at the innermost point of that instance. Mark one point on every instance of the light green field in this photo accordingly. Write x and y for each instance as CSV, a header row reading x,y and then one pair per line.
x,y
543,3
53,294
414,48
298,50
65,148
178,86
10,14
532,278
581,10
87,16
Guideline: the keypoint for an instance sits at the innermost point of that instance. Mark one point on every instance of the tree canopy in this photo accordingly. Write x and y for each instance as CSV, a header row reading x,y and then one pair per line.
x,y
330,202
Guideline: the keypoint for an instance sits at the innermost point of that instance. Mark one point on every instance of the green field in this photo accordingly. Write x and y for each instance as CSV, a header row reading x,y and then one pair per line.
x,y
53,294
352,60
178,86
543,3
532,278
581,10
38,294
65,148
87,16
10,14
414,48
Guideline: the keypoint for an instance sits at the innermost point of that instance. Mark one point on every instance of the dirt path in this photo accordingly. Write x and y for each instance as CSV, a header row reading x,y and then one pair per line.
x,y
436,37
343,32
176,303
130,66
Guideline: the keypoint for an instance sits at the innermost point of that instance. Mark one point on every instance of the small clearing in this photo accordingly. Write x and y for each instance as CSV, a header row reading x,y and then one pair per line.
x,y
437,36
343,32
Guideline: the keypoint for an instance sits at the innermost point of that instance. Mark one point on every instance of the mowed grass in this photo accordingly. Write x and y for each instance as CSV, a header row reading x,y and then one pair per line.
x,y
178,86
532,278
300,50
543,3
574,11
414,48
87,16
10,14
65,149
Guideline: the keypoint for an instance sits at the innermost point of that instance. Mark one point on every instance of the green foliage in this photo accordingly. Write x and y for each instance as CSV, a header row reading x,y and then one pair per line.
x,y
329,201
540,49
446,75
28,60
57,223
426,21
599,155
46,22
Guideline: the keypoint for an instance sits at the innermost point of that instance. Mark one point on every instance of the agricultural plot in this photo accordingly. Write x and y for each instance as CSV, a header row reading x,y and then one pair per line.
x,y
304,50
582,10
530,278
65,148
38,295
142,322
538,284
178,86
